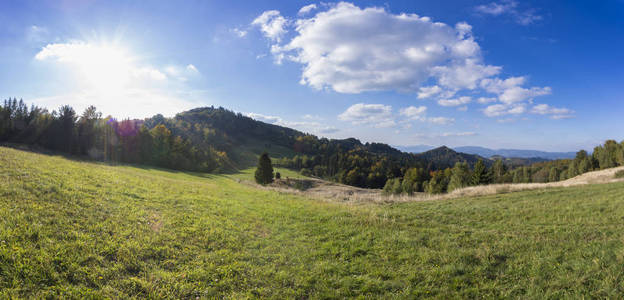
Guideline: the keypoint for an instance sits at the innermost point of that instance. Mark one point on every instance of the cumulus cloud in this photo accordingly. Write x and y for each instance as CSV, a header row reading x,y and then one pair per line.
x,y
486,100
510,91
313,127
377,115
497,110
455,102
510,8
272,24
413,112
352,50
349,49
554,112
306,9
428,91
441,120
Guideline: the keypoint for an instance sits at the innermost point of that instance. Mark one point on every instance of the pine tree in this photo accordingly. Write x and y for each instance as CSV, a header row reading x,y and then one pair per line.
x,y
480,174
264,172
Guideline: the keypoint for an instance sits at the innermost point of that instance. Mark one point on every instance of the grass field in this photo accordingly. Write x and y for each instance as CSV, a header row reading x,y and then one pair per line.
x,y
79,229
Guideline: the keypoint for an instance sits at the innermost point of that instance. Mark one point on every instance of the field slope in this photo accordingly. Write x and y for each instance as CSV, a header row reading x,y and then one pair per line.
x,y
81,229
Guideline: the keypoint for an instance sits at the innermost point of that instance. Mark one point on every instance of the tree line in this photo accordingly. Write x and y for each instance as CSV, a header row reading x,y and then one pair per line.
x,y
212,139
608,155
104,138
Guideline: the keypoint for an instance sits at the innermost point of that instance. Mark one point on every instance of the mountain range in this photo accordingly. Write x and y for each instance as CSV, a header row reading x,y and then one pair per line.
x,y
487,152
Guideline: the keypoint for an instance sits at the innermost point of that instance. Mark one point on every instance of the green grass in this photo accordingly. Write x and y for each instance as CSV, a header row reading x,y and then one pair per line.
x,y
248,174
72,229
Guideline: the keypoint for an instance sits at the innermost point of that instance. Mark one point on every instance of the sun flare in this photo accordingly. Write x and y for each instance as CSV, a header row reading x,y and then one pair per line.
x,y
103,67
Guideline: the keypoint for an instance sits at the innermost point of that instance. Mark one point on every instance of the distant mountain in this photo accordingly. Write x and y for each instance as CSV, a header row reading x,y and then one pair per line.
x,y
486,152
415,148
445,157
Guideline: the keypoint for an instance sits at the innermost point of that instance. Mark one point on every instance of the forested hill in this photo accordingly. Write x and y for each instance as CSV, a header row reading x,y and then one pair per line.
x,y
444,157
213,139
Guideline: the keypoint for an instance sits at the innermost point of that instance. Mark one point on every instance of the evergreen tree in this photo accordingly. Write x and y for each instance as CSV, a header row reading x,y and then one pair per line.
x,y
553,175
460,176
480,174
264,172
498,171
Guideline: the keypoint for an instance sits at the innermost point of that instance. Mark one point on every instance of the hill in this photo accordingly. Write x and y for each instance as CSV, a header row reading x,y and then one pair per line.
x,y
445,157
486,152
76,229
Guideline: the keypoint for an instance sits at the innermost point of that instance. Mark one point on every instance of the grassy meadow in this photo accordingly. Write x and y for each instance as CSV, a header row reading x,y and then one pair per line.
x,y
74,229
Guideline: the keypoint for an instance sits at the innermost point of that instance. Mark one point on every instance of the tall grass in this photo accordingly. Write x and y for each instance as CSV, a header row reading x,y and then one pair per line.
x,y
72,229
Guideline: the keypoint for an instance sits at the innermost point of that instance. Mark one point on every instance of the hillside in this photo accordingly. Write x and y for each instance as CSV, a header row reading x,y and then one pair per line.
x,y
76,229
444,157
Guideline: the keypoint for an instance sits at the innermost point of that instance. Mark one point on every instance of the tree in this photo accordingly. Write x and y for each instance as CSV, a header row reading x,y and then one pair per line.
x,y
553,174
480,175
460,177
437,184
264,172
498,171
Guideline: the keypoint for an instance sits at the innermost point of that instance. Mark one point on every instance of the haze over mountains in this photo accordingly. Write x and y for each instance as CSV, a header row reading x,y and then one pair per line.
x,y
487,152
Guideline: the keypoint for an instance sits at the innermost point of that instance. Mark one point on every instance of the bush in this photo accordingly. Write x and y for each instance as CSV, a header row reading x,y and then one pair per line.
x,y
619,174
278,175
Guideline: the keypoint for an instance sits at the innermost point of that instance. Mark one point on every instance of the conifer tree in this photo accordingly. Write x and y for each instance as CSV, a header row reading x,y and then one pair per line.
x,y
264,172
480,174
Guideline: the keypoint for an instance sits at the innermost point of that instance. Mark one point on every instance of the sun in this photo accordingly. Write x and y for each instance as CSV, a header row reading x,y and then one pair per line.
x,y
105,68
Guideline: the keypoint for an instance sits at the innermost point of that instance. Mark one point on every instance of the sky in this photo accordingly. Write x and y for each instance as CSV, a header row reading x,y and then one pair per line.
x,y
546,75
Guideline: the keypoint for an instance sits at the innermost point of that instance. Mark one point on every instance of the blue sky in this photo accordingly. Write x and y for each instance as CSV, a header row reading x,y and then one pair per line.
x,y
503,74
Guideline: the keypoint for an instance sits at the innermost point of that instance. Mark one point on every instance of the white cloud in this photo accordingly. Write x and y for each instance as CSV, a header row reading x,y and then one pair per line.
x,y
486,100
503,109
496,9
441,120
272,24
265,118
510,91
556,113
349,49
457,134
509,7
352,50
377,115
191,68
241,33
428,91
465,75
413,112
306,9
312,127
455,102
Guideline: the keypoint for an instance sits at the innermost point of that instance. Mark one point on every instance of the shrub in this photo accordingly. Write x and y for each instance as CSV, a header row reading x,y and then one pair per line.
x,y
278,175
